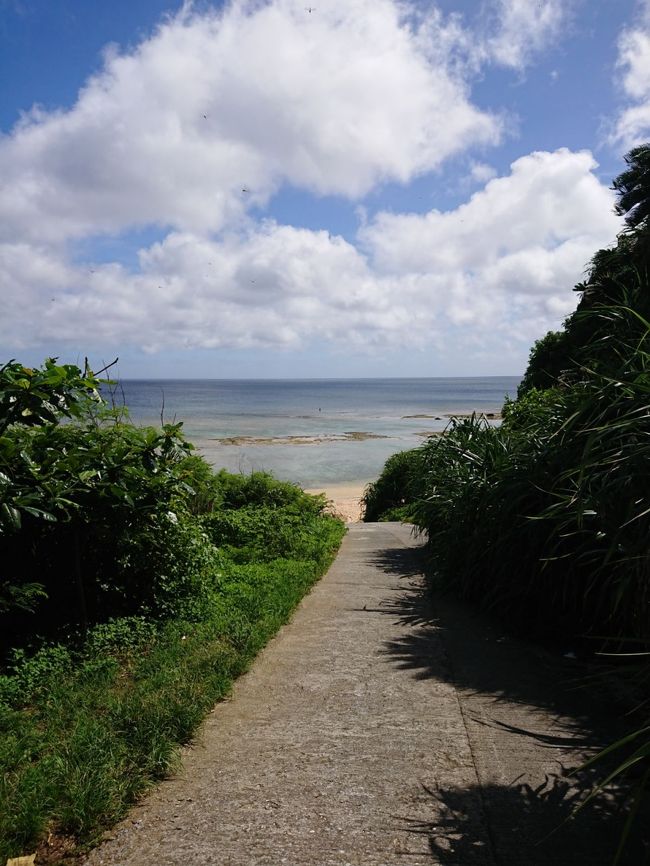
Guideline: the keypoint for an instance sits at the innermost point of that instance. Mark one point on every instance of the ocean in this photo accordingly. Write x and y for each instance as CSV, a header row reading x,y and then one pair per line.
x,y
316,432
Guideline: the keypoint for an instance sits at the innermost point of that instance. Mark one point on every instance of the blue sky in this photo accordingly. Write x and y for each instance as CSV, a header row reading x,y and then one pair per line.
x,y
251,189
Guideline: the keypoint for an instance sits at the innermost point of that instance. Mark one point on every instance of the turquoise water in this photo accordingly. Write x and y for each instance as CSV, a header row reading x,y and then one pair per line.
x,y
321,411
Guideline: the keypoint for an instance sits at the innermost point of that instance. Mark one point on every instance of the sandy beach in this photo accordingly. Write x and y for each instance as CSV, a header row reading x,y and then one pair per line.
x,y
345,499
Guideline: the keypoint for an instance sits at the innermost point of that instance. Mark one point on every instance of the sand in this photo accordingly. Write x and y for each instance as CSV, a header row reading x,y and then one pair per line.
x,y
345,499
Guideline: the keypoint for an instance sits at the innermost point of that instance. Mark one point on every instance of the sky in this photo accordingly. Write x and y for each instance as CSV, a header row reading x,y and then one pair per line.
x,y
262,188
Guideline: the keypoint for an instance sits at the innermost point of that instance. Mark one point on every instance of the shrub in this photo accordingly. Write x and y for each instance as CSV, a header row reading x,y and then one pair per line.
x,y
392,496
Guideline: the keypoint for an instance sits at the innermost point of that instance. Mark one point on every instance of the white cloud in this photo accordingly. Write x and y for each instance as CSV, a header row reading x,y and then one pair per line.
x,y
634,59
197,128
509,33
548,199
500,266
481,172
632,125
214,104
524,28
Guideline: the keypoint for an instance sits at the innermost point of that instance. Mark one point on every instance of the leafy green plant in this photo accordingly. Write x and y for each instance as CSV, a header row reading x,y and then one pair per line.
x,y
546,520
31,398
400,484
549,358
86,726
68,489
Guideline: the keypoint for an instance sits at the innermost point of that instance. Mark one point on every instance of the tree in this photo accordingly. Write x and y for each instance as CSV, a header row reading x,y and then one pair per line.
x,y
633,188
549,358
614,297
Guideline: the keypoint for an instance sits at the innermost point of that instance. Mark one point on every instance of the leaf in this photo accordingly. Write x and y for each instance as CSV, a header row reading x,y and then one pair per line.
x,y
27,860
39,512
11,515
617,745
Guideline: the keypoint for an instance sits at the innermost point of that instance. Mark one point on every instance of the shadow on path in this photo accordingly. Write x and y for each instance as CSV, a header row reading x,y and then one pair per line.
x,y
448,640
526,826
530,722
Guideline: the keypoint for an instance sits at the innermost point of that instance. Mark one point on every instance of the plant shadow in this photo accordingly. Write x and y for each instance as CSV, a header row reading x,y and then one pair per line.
x,y
446,639
524,825
532,718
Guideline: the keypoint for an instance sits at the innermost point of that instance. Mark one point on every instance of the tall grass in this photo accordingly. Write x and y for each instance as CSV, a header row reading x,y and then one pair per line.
x,y
546,519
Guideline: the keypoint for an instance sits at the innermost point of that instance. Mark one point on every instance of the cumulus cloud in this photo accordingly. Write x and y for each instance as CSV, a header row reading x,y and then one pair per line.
x,y
215,111
512,252
523,28
197,128
548,199
632,126
273,285
500,266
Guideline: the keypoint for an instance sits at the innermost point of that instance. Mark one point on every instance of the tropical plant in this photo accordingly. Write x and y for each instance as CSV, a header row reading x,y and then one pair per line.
x,y
400,484
549,358
547,519
633,189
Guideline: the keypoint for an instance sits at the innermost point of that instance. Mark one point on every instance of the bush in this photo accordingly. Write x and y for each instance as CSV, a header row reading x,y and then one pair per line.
x,y
549,358
546,519
87,725
398,487
136,584
102,487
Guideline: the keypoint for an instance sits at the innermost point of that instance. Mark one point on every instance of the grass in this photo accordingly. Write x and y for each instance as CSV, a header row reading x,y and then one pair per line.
x,y
86,728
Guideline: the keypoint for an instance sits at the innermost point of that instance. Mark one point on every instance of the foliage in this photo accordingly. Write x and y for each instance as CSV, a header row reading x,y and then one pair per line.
x,y
399,485
260,488
535,411
85,731
136,583
633,188
68,489
549,358
269,533
34,398
546,519
96,482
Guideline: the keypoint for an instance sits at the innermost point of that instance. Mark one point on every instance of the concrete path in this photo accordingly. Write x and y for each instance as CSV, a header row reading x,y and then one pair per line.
x,y
380,728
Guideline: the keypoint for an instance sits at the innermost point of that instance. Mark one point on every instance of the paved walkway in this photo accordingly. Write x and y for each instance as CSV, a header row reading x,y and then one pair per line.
x,y
380,728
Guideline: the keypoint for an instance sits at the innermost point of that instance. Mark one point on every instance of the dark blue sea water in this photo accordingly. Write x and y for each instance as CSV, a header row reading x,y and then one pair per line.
x,y
307,424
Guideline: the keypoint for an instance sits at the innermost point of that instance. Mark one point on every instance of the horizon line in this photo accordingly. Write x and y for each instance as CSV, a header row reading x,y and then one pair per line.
x,y
304,378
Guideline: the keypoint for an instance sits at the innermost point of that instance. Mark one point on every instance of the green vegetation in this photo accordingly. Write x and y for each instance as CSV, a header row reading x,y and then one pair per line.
x,y
546,519
393,494
136,584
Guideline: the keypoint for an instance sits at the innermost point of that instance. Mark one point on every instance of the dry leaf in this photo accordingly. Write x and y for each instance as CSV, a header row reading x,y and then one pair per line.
x,y
22,861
